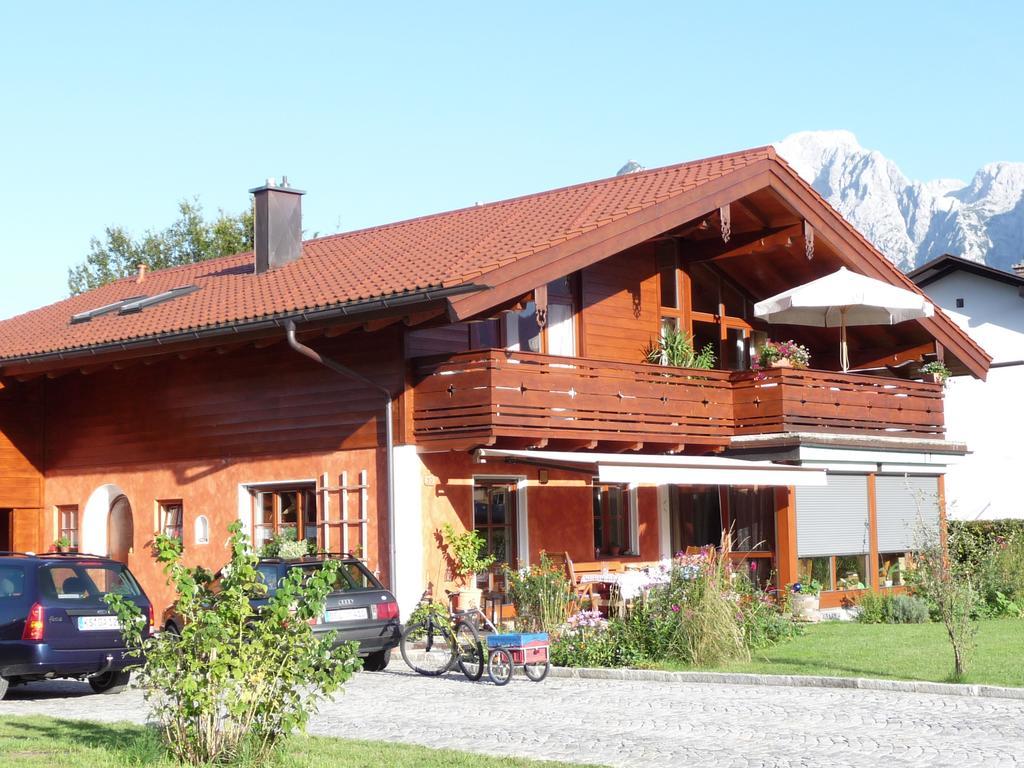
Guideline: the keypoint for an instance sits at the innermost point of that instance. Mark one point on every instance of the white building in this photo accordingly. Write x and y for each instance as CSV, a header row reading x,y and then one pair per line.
x,y
987,415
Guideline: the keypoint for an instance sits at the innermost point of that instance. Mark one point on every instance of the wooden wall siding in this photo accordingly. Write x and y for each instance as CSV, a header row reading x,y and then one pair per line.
x,y
494,393
442,340
620,306
788,400
26,530
477,397
250,402
21,436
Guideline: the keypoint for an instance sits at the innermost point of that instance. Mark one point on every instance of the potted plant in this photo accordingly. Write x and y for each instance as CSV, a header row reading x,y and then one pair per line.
x,y
937,371
63,544
675,348
806,600
466,553
781,354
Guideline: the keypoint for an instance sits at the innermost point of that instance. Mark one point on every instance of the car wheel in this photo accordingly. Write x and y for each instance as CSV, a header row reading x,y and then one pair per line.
x,y
377,662
3,687
109,682
172,629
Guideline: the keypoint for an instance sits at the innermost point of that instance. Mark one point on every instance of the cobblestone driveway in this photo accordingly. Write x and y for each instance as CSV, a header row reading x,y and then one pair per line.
x,y
625,723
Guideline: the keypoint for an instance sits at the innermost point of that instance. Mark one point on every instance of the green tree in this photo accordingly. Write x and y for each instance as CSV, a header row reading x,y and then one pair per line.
x,y
191,238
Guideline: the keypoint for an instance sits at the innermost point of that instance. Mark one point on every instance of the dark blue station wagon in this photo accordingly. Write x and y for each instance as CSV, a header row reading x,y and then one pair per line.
x,y
54,622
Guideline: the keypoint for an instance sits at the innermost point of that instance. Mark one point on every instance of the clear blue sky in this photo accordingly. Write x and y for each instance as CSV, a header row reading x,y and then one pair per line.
x,y
112,112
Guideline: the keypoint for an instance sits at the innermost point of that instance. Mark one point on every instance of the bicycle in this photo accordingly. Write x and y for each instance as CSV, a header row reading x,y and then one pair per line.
x,y
439,640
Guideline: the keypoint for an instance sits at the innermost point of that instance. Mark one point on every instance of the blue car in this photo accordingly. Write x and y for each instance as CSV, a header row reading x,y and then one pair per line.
x,y
54,622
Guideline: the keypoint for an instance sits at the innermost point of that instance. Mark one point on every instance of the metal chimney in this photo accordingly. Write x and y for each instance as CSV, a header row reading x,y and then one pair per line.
x,y
1018,269
277,229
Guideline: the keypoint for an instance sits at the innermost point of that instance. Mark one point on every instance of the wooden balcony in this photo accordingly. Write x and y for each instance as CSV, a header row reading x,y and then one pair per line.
x,y
479,398
787,400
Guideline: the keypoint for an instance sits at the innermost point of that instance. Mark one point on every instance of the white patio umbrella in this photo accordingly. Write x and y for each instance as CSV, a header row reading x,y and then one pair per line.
x,y
842,299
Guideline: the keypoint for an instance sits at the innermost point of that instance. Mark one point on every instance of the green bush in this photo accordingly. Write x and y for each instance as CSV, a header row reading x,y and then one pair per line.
x,y
541,594
875,608
892,609
235,682
992,551
592,641
907,609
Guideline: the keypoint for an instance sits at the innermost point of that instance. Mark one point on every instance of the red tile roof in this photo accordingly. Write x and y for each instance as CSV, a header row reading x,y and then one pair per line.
x,y
445,249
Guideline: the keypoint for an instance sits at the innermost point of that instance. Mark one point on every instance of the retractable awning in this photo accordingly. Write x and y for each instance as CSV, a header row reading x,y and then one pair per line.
x,y
649,469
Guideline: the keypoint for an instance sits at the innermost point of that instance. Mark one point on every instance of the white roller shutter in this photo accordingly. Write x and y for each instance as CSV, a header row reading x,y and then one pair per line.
x,y
833,519
905,506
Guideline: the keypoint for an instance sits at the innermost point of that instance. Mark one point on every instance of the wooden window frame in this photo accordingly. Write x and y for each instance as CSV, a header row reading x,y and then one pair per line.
x,y
574,293
511,524
164,508
630,534
71,532
302,491
685,316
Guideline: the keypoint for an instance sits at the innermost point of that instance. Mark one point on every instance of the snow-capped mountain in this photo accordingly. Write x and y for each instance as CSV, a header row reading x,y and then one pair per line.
x,y
914,221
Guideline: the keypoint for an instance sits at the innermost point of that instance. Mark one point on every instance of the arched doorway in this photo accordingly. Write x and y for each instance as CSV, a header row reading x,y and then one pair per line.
x,y
120,529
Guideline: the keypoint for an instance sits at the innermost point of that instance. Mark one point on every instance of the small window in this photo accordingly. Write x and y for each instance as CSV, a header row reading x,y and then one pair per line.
x,y
172,519
202,530
959,303
67,526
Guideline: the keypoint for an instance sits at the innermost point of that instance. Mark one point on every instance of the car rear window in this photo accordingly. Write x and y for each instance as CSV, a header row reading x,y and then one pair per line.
x,y
13,597
89,582
351,577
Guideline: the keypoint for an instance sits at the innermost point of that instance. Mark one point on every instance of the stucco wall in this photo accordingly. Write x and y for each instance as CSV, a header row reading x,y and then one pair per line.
x,y
986,415
214,489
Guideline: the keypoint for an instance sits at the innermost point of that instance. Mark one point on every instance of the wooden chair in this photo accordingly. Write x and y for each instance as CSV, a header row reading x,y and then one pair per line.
x,y
581,592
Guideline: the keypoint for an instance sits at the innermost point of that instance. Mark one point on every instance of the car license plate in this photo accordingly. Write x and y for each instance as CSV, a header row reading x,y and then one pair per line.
x,y
345,614
91,623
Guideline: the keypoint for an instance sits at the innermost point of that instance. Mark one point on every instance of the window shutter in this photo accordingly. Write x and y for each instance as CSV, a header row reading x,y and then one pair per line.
x,y
833,519
904,506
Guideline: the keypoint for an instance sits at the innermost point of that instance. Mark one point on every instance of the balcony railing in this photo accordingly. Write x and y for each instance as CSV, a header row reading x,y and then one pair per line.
x,y
788,400
479,397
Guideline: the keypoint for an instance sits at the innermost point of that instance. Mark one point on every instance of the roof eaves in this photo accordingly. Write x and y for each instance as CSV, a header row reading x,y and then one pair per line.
x,y
248,325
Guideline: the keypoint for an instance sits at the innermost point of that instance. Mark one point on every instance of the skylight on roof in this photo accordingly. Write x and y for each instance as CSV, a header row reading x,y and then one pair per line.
x,y
84,317
140,304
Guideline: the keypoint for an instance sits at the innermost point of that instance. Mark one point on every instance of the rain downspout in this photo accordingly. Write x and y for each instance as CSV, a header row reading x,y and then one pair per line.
x,y
389,437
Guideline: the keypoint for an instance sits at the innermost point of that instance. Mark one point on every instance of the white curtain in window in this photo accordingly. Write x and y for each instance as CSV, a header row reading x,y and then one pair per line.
x,y
561,330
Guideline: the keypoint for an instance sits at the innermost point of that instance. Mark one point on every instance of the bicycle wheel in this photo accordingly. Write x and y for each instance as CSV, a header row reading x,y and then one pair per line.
x,y
499,666
469,651
537,672
427,648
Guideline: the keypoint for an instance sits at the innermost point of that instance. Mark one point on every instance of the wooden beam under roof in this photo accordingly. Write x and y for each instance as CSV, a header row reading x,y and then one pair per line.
x,y
743,245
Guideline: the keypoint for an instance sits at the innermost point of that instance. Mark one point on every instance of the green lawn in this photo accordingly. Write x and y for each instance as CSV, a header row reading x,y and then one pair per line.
x,y
46,742
900,651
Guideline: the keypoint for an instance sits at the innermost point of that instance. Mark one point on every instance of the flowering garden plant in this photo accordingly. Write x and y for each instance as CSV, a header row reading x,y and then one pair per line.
x,y
701,609
797,354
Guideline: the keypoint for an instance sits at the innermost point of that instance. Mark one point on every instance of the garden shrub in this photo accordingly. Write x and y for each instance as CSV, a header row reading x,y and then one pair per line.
x,y
541,594
236,682
875,608
697,609
992,551
588,640
891,609
907,609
